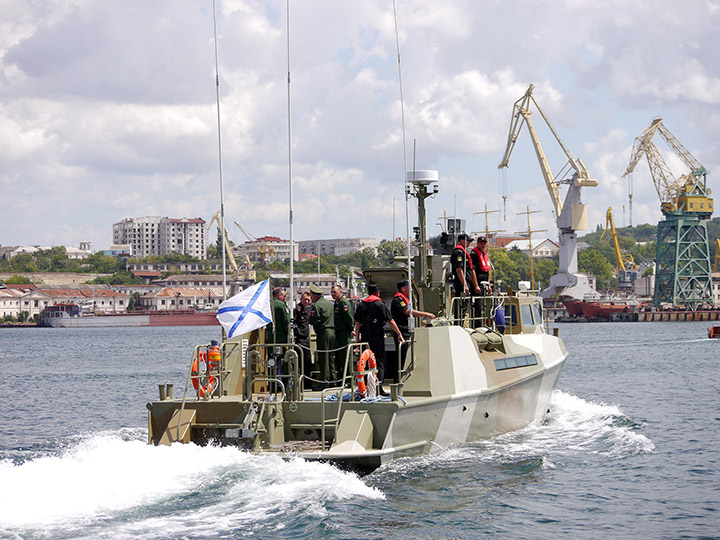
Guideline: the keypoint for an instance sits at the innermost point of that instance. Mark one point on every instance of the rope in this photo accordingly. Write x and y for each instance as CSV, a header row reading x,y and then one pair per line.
x,y
324,350
309,378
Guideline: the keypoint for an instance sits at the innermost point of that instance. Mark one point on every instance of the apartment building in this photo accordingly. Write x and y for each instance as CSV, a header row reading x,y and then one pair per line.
x,y
154,235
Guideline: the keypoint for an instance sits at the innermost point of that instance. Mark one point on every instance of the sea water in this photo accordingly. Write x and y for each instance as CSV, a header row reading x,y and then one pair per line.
x,y
629,450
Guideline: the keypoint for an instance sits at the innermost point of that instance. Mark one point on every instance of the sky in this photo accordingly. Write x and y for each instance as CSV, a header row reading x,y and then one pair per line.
x,y
108,110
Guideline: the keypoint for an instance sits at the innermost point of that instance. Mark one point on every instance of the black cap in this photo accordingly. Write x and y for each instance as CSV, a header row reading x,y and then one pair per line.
x,y
463,236
482,239
373,289
402,283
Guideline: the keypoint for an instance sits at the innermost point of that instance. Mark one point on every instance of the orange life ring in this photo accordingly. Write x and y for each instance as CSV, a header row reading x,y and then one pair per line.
x,y
201,388
367,358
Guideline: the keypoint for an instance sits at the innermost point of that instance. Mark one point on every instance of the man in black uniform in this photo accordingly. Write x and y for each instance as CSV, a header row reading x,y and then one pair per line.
x,y
370,318
464,280
400,311
301,317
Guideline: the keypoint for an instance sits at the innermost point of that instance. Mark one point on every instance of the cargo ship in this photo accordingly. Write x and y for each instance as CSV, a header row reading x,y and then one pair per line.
x,y
71,316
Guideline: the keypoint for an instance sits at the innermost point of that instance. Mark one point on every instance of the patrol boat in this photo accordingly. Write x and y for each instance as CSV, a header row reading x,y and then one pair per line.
x,y
466,379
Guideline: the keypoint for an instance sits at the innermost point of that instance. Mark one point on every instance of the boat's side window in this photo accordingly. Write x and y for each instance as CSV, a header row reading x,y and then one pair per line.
x,y
513,315
537,313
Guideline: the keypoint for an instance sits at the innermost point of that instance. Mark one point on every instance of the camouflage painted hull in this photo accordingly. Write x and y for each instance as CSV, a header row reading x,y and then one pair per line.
x,y
461,389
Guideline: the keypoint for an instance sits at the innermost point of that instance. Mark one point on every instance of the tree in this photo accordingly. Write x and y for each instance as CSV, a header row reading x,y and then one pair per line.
x,y
387,250
18,280
133,301
592,261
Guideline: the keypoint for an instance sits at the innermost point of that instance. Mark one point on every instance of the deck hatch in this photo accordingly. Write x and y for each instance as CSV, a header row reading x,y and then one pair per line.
x,y
515,362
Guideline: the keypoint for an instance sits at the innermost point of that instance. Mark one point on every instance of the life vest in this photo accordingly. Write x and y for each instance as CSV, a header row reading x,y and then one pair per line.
x,y
483,258
467,255
401,295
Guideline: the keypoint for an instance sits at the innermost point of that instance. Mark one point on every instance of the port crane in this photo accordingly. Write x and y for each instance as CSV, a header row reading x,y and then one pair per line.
x,y
627,269
572,214
263,250
235,284
683,275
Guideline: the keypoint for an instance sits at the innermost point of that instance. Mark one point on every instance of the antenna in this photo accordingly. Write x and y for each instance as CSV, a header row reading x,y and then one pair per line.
x,y
222,198
529,233
487,227
291,334
503,190
406,184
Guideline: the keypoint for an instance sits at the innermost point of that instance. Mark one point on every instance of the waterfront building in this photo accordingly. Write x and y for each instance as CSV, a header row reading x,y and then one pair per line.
x,y
174,298
119,250
541,248
10,299
158,236
335,246
8,252
198,267
194,280
265,248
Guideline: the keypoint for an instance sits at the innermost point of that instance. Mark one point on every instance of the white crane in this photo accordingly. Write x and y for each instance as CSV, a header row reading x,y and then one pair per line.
x,y
572,214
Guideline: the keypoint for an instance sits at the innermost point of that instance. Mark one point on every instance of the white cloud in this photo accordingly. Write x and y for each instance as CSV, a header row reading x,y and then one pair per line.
x,y
106,114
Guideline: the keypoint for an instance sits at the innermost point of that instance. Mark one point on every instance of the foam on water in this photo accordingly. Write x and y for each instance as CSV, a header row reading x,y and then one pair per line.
x,y
145,491
574,428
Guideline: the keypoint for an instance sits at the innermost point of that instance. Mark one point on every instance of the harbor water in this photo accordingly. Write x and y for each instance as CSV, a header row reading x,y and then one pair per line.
x,y
628,450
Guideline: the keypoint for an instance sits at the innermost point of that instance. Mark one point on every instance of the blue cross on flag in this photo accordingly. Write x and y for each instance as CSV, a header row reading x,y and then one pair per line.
x,y
247,310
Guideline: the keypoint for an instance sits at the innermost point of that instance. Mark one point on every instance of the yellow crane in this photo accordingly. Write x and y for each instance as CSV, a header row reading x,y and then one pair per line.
x,y
627,269
263,250
682,265
687,193
571,215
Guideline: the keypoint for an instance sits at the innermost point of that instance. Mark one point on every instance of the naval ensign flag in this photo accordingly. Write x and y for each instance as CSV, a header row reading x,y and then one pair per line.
x,y
247,310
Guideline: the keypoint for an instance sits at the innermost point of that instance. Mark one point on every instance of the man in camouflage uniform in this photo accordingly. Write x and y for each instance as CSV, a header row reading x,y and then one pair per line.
x,y
343,319
323,322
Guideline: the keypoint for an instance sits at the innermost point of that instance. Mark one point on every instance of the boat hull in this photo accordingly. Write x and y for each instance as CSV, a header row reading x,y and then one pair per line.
x,y
170,318
573,307
490,393
426,428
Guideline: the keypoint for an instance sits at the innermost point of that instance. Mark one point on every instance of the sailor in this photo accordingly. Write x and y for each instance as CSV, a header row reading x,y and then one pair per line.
x,y
301,327
281,317
370,318
343,319
322,320
400,311
481,266
464,280
277,331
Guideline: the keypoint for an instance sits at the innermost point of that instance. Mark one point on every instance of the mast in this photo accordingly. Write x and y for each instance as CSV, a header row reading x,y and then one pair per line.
x,y
222,198
406,185
290,191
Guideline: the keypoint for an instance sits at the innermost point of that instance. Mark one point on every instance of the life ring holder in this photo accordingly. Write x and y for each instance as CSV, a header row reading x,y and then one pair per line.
x,y
202,387
367,365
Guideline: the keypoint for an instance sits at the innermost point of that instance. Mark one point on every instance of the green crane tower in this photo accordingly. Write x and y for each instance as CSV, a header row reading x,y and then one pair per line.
x,y
683,271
